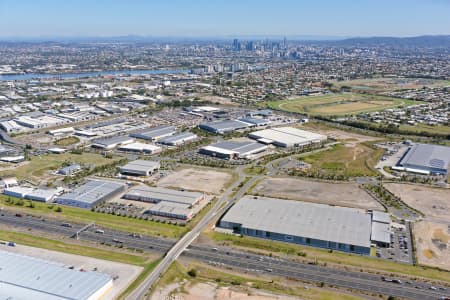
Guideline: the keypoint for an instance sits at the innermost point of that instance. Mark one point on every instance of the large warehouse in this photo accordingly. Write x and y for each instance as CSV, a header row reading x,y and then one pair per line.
x,y
287,137
154,133
25,277
312,224
178,139
111,142
169,203
233,150
221,127
158,194
140,167
425,159
92,193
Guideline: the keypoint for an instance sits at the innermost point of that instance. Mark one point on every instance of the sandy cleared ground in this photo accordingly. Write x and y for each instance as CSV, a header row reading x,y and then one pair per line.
x,y
208,291
204,180
126,273
347,137
433,202
341,194
432,242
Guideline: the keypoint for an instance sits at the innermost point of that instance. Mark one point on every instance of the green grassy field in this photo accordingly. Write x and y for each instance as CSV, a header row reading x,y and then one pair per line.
x,y
357,160
50,244
105,220
325,256
39,165
339,104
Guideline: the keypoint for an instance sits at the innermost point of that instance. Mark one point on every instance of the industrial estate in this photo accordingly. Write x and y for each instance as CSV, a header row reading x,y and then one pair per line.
x,y
225,169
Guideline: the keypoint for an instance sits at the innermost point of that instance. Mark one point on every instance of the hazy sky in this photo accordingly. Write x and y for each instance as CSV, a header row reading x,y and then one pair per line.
x,y
34,18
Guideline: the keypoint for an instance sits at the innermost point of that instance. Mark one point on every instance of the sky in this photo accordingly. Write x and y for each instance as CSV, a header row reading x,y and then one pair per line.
x,y
223,18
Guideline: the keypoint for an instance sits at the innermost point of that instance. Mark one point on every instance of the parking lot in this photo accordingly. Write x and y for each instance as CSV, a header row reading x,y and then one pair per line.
x,y
400,247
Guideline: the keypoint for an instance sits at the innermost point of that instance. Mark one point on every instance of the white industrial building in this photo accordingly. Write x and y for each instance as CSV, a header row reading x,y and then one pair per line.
x,y
140,148
425,159
287,137
39,194
318,225
92,193
233,149
112,142
25,277
178,139
154,133
140,168
169,203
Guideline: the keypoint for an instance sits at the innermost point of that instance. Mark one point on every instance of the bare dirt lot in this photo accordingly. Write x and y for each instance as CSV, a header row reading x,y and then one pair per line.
x,y
207,291
433,202
197,179
126,273
432,242
346,136
341,194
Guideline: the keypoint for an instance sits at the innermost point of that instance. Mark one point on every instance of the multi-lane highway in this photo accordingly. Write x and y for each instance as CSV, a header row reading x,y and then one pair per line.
x,y
245,262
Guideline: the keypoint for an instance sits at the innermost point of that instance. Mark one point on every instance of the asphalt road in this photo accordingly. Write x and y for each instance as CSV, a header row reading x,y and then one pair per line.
x,y
243,261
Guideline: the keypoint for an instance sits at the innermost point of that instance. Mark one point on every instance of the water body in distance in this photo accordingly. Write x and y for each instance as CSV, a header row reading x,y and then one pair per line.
x,y
30,76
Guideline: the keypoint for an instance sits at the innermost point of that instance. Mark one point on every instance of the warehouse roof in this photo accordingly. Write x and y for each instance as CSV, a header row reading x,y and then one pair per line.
x,y
224,126
230,147
310,220
24,277
112,140
92,191
381,232
137,146
163,194
178,137
426,155
382,217
254,121
141,165
287,135
155,132
172,208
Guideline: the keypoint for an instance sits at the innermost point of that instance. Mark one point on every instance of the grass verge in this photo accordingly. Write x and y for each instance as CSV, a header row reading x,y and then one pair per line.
x,y
49,244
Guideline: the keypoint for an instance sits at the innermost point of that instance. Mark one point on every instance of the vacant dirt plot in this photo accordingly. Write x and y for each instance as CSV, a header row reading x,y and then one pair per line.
x,y
433,202
204,180
432,242
346,136
125,273
207,291
341,194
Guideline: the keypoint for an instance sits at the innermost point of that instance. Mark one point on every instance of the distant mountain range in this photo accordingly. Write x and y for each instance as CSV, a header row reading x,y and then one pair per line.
x,y
432,41
416,41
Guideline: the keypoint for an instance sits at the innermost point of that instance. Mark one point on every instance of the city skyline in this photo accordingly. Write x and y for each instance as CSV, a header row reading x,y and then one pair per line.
x,y
319,20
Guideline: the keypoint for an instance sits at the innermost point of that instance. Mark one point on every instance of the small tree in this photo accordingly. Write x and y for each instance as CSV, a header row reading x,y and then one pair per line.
x,y
192,273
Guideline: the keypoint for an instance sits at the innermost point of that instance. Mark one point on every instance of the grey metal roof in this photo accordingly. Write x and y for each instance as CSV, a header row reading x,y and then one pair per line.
x,y
177,137
154,132
141,165
240,147
163,194
25,277
382,217
254,121
224,126
310,220
381,232
171,207
112,140
92,191
427,156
